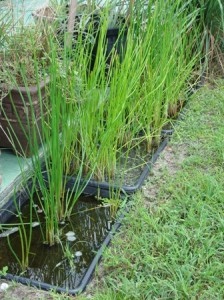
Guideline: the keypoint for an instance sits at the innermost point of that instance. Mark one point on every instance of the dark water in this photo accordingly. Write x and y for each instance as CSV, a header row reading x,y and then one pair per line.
x,y
129,169
90,223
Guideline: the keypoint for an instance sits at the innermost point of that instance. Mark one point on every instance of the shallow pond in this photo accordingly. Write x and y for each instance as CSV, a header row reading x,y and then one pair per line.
x,y
90,224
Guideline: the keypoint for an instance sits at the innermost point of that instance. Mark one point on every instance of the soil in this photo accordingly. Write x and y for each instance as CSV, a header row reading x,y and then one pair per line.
x,y
167,165
21,292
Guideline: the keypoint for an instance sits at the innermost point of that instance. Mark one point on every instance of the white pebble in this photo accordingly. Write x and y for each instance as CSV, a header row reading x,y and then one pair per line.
x,y
4,286
71,238
35,224
78,253
70,233
8,232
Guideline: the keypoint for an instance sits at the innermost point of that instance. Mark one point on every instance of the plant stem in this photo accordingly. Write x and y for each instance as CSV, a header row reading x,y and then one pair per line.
x,y
71,22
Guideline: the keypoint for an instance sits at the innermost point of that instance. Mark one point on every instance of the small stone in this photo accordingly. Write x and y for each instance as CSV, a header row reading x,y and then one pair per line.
x,y
8,232
70,233
78,253
39,211
71,238
4,286
35,224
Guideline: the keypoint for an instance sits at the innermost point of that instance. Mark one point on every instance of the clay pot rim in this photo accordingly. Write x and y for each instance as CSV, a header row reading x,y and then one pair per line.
x,y
22,89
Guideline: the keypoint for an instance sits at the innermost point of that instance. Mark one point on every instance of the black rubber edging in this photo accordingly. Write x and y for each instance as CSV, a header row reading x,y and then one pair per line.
x,y
104,189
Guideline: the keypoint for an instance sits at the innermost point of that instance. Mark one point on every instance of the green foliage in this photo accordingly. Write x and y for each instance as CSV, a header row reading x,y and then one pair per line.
x,y
211,28
4,271
24,48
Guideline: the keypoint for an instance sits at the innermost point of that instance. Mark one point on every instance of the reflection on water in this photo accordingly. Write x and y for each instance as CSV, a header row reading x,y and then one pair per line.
x,y
48,264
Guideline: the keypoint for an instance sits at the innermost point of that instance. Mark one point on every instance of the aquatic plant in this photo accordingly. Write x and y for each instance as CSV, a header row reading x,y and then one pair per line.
x,y
210,22
95,114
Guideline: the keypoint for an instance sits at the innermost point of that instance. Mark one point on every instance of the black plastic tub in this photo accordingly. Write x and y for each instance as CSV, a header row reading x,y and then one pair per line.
x,y
23,197
115,38
104,189
7,211
115,41
92,188
87,277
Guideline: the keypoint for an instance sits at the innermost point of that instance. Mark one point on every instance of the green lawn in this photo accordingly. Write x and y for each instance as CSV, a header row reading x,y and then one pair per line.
x,y
174,249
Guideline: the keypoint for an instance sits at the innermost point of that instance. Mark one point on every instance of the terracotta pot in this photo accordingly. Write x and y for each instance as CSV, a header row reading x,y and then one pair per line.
x,y
21,115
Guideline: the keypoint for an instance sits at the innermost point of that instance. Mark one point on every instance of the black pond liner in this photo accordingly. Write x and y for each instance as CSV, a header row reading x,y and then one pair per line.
x,y
104,189
88,275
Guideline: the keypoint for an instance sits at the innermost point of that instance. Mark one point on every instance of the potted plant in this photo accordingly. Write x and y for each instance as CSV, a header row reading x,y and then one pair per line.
x,y
5,25
22,74
84,19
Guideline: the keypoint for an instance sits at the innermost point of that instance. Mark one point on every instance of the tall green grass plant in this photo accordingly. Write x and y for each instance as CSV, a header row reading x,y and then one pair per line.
x,y
93,115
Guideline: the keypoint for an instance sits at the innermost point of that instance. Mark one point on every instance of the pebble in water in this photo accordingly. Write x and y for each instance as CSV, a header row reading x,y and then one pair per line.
x,y
70,233
71,238
35,224
78,253
109,225
8,232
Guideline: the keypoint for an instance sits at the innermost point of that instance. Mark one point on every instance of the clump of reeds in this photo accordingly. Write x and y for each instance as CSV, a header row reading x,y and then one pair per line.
x,y
210,22
96,109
